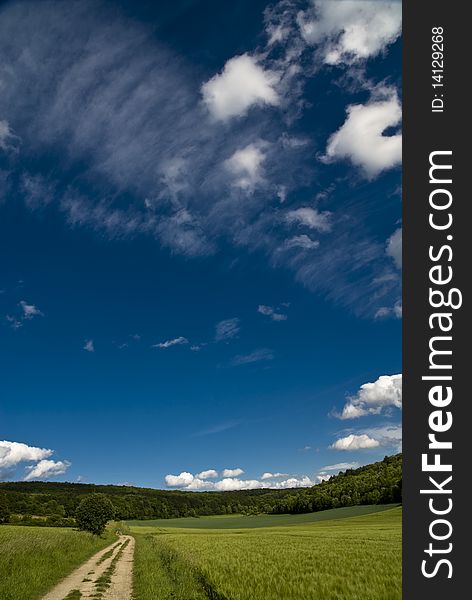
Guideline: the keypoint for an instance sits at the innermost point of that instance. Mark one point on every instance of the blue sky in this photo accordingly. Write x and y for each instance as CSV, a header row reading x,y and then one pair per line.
x,y
201,241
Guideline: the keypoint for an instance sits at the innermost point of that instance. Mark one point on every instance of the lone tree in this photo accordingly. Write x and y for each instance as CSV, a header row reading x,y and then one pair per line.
x,y
94,512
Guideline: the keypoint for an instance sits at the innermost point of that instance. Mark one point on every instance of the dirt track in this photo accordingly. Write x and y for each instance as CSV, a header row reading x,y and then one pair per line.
x,y
117,569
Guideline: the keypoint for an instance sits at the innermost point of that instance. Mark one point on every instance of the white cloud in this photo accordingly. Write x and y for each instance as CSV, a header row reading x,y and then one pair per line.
x,y
387,435
227,329
246,166
36,191
180,197
394,247
232,472
231,481
268,475
271,312
46,468
373,398
388,311
27,313
178,341
184,479
30,310
340,466
302,241
252,357
7,137
12,453
360,139
243,83
89,346
311,218
351,30
208,474
355,442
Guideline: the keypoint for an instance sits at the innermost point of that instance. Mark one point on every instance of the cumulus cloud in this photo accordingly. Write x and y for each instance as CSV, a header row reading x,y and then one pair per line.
x,y
178,341
246,166
351,30
208,474
261,354
271,312
89,346
232,472
360,139
231,481
46,468
311,218
13,454
268,475
184,479
227,329
243,83
374,398
355,442
394,247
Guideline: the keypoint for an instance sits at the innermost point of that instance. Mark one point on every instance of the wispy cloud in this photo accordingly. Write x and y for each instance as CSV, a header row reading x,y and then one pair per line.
x,y
261,354
89,346
271,312
227,329
219,427
126,113
178,341
25,312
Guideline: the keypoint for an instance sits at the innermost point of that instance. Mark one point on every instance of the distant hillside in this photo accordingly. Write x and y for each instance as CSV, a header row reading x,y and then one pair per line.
x,y
55,503
377,483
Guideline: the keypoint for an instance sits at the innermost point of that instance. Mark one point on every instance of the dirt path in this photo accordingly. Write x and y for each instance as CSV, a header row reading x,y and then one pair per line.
x,y
108,575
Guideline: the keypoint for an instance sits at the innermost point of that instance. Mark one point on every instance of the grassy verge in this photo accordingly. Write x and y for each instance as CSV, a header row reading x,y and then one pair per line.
x,y
357,558
34,559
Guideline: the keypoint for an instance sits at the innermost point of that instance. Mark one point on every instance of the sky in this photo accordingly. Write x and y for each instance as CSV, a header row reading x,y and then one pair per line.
x,y
200,241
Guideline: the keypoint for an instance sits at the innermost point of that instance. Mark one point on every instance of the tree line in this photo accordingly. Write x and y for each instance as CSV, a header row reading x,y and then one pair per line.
x,y
52,503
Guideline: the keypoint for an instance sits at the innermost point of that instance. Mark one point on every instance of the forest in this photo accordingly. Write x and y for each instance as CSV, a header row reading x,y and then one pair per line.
x,y
53,503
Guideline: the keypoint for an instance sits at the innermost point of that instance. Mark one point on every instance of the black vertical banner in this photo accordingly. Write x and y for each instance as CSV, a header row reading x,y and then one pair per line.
x,y
437,233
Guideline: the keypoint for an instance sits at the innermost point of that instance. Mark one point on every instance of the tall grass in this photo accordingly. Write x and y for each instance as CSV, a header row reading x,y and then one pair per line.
x,y
160,572
357,558
34,559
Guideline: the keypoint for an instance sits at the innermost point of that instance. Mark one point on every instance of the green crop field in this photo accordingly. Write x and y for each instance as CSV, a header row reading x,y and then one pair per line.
x,y
352,558
33,559
256,521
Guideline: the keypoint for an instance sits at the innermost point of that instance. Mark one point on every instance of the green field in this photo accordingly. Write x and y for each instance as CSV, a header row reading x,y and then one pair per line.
x,y
33,559
352,558
256,521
